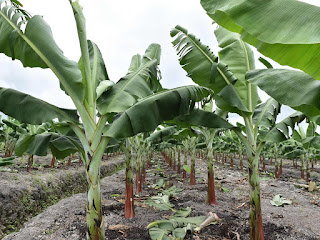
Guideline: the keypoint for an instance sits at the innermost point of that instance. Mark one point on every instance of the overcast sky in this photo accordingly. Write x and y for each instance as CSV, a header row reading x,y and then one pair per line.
x,y
121,29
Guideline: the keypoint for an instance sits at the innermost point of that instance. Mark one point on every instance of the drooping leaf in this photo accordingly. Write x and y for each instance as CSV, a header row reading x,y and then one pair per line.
x,y
183,133
23,144
295,153
159,136
203,68
139,82
16,127
35,47
266,113
197,59
312,142
103,86
63,146
229,100
286,31
126,91
202,118
28,109
60,146
293,88
280,131
265,62
151,111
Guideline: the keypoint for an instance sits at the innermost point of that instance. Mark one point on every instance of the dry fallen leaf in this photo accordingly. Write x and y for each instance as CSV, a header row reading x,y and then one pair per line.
x,y
119,227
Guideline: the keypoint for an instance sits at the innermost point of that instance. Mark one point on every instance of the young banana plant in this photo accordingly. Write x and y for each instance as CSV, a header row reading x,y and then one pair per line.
x,y
308,140
87,83
39,139
233,93
10,132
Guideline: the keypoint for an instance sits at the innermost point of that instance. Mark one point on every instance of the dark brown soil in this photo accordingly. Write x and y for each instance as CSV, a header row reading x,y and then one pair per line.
x,y
300,220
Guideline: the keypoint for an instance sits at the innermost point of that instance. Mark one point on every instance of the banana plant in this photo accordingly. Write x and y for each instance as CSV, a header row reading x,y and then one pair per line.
x,y
238,145
11,129
293,150
127,148
308,140
129,104
209,135
233,93
273,36
40,139
233,145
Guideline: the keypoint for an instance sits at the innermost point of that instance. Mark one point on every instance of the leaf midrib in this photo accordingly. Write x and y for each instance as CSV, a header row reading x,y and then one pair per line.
x,y
125,85
206,55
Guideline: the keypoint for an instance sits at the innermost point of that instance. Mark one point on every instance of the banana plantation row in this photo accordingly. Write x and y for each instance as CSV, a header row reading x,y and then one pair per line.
x,y
109,114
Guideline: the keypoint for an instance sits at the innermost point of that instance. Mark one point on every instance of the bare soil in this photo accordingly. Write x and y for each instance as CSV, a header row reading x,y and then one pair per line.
x,y
26,194
300,220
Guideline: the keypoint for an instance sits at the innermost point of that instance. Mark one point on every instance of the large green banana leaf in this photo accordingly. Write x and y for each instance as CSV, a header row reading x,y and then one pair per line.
x,y
280,131
202,118
312,142
285,30
308,138
35,47
184,133
296,153
60,146
240,59
134,85
311,130
293,88
203,68
16,127
149,112
99,73
153,52
160,136
266,113
28,109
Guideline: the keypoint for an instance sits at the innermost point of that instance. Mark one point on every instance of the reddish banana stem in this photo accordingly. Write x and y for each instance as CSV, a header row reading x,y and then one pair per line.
x,y
53,161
